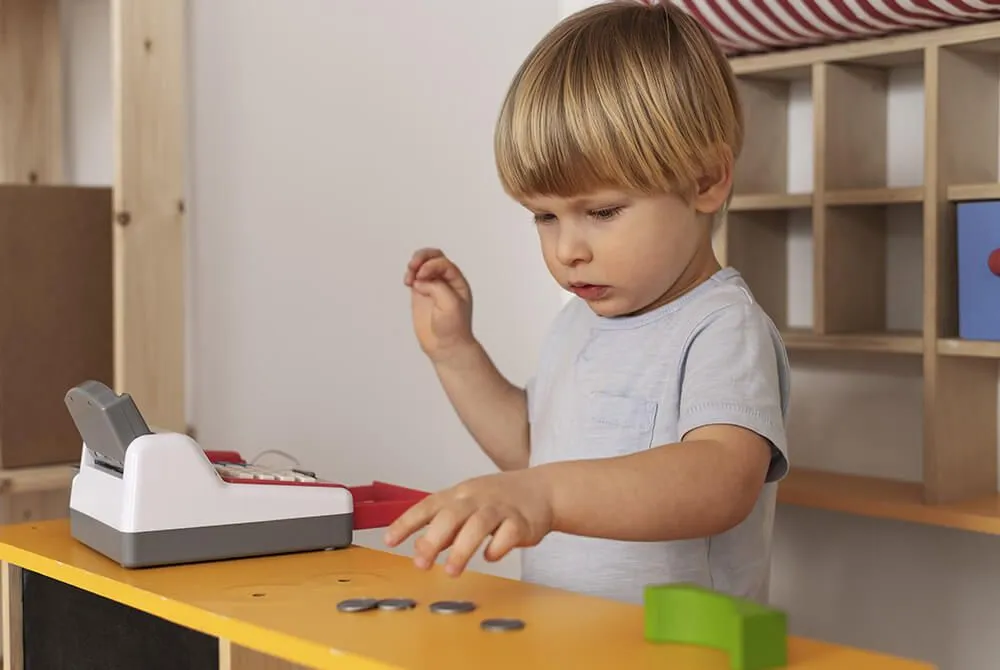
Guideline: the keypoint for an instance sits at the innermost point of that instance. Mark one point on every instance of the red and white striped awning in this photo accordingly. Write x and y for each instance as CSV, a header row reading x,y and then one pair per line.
x,y
754,26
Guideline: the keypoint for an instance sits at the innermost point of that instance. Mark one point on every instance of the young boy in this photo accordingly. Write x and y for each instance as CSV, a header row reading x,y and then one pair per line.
x,y
647,446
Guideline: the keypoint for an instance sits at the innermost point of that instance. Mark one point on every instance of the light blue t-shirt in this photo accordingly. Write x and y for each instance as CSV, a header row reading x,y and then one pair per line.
x,y
612,386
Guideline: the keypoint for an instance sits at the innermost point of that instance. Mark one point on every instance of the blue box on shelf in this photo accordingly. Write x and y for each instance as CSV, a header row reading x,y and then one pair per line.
x,y
979,270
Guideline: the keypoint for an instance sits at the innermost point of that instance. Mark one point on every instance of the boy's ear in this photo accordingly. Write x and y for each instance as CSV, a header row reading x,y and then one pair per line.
x,y
713,188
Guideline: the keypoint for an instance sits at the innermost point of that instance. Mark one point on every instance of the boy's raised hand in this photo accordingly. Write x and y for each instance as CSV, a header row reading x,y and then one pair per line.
x,y
441,302
513,507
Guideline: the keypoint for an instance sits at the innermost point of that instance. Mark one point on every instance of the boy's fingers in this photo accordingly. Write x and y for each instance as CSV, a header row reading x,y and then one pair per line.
x,y
409,521
418,258
439,268
442,294
422,255
475,530
506,538
442,268
440,533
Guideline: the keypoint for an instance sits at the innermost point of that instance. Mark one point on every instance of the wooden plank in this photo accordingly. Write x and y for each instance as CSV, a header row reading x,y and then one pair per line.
x,y
820,85
55,315
149,114
886,499
234,657
31,101
876,196
13,632
969,192
37,506
895,50
972,348
44,479
757,201
31,505
885,343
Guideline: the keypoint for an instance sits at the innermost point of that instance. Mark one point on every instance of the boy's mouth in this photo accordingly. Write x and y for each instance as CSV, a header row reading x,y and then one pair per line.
x,y
589,291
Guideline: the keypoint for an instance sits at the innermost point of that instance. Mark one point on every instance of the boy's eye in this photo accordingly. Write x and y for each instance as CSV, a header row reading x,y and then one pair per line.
x,y
605,214
543,218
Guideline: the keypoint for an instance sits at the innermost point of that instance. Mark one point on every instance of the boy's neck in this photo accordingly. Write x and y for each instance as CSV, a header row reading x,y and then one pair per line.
x,y
702,267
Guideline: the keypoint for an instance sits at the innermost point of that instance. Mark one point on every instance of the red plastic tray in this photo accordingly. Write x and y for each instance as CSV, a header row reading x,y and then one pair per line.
x,y
378,504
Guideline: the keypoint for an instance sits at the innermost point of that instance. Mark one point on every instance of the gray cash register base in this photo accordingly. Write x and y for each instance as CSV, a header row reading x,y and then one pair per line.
x,y
212,543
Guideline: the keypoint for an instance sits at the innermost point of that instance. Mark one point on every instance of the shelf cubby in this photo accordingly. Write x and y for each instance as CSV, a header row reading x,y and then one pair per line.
x,y
854,106
903,128
968,77
755,242
761,179
858,274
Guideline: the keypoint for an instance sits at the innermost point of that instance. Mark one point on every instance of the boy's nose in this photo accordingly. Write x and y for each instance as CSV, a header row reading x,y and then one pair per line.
x,y
572,249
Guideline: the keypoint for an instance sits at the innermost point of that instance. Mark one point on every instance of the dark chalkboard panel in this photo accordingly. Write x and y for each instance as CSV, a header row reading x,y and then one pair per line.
x,y
66,628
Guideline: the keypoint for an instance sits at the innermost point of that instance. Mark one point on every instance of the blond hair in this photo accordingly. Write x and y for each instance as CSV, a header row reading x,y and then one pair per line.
x,y
624,94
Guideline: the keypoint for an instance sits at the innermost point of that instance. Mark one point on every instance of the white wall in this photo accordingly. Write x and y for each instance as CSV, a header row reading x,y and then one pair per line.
x,y
329,141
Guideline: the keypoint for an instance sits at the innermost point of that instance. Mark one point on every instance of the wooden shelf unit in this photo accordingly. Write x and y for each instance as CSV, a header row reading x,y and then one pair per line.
x,y
846,209
145,208
148,211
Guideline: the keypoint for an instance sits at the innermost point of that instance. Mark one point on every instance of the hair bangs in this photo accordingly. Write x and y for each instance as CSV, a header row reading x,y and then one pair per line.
x,y
622,95
558,137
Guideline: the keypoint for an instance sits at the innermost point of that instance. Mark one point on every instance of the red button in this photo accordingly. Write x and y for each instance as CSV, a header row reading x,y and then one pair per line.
x,y
994,262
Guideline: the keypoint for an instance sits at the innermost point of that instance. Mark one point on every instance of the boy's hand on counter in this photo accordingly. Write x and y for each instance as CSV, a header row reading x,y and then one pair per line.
x,y
504,511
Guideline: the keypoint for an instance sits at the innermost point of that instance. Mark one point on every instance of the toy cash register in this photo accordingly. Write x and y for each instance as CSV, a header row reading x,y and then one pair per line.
x,y
144,498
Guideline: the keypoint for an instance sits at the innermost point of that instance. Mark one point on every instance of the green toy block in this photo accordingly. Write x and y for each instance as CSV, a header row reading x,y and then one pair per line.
x,y
755,636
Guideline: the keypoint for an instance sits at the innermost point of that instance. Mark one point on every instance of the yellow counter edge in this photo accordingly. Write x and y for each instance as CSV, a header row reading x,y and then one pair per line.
x,y
246,635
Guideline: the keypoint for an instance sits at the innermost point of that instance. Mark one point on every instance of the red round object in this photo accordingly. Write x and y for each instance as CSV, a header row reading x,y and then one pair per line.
x,y
994,262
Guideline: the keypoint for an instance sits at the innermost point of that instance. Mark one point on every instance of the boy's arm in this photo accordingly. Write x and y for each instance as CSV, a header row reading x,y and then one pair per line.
x,y
731,417
494,411
702,486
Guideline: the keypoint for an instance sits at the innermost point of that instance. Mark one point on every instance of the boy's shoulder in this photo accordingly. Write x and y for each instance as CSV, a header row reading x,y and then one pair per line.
x,y
723,318
723,299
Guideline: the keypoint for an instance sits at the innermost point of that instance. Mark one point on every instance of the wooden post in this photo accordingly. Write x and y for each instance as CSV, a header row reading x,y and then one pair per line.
x,y
234,657
149,114
31,118
13,631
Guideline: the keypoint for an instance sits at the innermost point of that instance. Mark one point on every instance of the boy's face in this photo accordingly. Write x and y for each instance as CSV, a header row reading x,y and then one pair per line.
x,y
626,253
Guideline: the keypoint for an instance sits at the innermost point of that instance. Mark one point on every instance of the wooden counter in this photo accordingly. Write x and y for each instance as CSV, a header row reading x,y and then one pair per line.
x,y
284,607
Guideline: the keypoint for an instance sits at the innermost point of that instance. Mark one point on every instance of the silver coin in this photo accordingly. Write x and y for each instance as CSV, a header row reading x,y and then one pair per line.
x,y
357,604
501,624
452,607
397,604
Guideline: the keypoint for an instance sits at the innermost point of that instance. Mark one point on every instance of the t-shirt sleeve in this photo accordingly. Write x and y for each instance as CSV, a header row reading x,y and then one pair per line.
x,y
735,372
